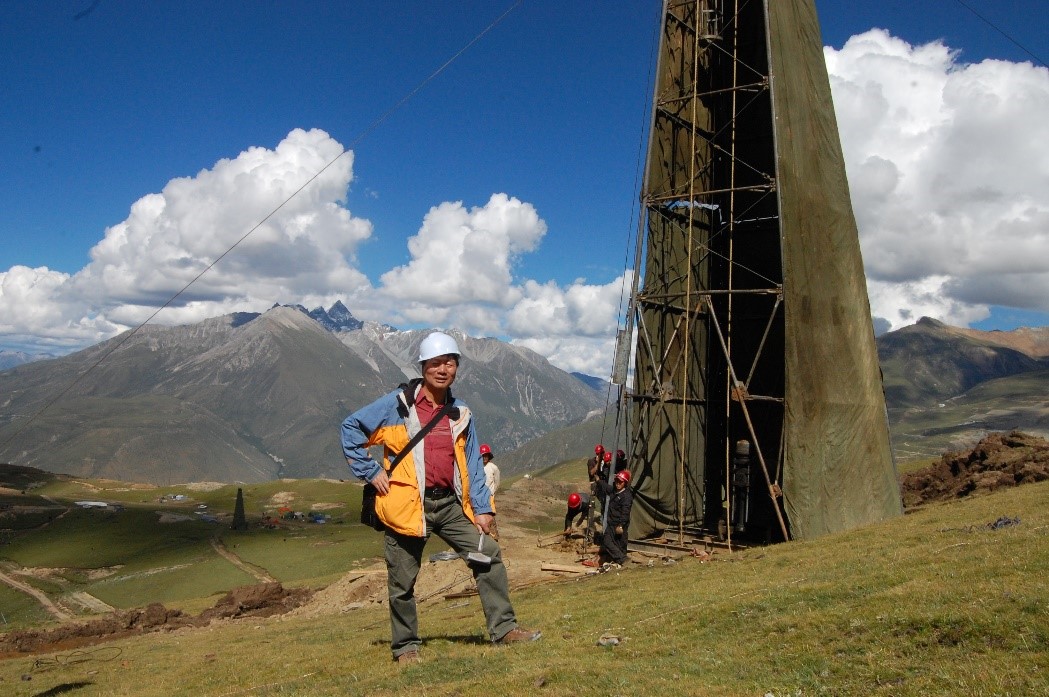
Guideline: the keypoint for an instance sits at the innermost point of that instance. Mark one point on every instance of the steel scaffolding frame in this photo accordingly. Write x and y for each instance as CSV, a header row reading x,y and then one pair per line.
x,y
707,309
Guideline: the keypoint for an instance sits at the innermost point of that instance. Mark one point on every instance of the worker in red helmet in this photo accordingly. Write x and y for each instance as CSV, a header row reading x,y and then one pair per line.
x,y
491,471
593,465
578,508
619,500
598,468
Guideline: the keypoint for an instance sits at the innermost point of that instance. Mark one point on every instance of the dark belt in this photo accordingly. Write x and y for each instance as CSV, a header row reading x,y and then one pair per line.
x,y
438,492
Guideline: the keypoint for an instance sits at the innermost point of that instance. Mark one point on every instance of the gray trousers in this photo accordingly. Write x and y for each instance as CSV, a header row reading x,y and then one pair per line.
x,y
444,517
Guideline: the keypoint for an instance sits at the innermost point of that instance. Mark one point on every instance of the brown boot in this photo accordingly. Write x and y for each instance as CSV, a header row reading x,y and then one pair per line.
x,y
409,656
518,635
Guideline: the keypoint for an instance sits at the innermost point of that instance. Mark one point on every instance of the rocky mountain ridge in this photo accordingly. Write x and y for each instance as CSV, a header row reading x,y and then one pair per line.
x,y
929,361
253,398
10,359
947,387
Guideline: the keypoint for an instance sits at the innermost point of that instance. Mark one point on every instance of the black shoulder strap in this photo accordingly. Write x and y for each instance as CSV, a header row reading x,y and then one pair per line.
x,y
408,390
445,410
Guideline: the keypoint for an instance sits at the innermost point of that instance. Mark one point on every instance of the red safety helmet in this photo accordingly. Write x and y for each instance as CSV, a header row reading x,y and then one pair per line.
x,y
598,449
573,500
608,457
623,476
485,449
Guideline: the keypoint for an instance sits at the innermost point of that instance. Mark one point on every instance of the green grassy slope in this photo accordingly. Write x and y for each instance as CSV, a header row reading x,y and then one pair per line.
x,y
155,549
1014,402
933,603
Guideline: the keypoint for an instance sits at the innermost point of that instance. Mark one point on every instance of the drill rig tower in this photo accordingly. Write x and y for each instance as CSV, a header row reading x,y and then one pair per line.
x,y
756,410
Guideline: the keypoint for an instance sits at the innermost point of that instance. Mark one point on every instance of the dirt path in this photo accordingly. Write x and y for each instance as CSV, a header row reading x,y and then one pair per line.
x,y
532,556
259,573
57,612
90,602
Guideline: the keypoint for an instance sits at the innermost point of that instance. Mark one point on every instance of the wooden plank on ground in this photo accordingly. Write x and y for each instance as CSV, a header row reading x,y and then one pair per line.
x,y
468,593
547,566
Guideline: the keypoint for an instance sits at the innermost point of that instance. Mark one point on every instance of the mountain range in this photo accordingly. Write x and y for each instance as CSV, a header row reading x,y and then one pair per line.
x,y
946,387
9,359
255,397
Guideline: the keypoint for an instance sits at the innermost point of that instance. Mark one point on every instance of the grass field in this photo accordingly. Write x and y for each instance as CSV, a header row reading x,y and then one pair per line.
x,y
938,602
130,557
298,555
19,610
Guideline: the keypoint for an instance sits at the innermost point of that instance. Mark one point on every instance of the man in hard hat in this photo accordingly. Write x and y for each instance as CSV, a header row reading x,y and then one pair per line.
x,y
491,478
578,508
619,500
439,487
593,465
491,470
599,466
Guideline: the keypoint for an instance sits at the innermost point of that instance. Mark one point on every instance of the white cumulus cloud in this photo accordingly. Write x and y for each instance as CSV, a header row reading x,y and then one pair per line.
x,y
38,314
948,166
299,247
461,273
465,255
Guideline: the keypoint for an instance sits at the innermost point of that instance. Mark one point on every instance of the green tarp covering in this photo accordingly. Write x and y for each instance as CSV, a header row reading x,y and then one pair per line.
x,y
752,318
838,471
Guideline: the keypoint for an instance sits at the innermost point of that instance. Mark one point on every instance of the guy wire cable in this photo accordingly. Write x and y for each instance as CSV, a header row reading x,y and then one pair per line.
x,y
634,226
994,26
371,127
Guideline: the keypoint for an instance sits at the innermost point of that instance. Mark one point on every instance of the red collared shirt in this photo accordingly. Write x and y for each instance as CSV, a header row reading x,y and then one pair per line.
x,y
438,446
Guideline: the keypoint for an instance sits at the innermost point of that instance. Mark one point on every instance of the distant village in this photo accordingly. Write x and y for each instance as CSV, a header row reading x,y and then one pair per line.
x,y
202,512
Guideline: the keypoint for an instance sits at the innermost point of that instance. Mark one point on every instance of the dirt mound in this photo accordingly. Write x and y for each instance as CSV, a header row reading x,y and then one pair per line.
x,y
262,600
999,460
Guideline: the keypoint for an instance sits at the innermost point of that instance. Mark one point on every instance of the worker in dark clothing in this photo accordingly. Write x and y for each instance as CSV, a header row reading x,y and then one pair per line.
x,y
578,507
598,468
599,471
593,465
619,501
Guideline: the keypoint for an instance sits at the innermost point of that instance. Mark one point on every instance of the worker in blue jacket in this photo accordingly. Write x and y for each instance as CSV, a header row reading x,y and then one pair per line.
x,y
439,487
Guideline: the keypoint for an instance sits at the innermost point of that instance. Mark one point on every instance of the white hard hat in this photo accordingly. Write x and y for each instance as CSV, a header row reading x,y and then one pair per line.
x,y
437,344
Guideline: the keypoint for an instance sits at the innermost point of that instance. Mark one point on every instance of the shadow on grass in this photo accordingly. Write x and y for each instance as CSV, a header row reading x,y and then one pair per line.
x,y
458,639
450,638
63,688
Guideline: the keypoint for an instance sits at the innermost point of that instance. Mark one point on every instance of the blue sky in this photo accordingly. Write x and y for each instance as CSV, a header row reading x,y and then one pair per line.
x,y
107,102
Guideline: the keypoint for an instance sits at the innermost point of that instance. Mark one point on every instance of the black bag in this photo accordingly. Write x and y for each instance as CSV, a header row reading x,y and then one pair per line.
x,y
368,515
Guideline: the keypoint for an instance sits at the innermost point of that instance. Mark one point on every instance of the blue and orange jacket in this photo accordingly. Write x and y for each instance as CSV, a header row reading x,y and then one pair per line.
x,y
391,421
